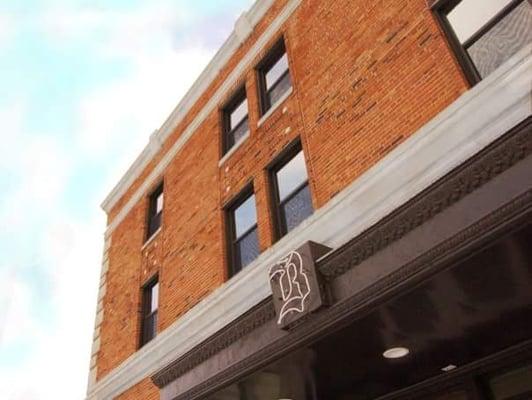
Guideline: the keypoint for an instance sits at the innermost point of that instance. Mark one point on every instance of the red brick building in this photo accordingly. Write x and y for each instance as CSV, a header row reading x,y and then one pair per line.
x,y
395,136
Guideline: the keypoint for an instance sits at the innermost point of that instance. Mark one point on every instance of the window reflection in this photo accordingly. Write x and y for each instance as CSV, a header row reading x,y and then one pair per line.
x,y
294,202
244,241
235,120
274,76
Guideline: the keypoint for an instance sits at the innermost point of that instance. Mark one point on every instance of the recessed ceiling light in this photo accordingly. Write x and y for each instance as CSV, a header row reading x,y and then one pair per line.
x,y
449,367
396,352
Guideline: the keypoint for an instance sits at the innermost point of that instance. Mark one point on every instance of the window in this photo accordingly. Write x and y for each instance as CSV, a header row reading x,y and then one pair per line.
x,y
274,77
155,211
150,305
292,198
235,120
513,384
485,33
243,235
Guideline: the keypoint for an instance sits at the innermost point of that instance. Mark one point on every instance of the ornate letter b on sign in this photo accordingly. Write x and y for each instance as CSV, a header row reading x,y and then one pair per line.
x,y
293,284
296,285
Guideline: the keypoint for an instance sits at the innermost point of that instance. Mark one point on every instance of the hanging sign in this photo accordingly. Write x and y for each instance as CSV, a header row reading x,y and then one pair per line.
x,y
297,286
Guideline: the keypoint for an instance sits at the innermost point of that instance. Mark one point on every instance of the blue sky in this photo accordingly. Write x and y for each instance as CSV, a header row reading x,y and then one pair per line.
x,y
82,86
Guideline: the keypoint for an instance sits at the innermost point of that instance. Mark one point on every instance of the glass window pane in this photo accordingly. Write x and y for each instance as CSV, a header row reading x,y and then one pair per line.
x,y
245,216
290,176
238,114
470,15
154,325
513,384
279,89
154,297
159,203
150,328
276,71
154,224
503,40
155,208
238,133
297,209
247,248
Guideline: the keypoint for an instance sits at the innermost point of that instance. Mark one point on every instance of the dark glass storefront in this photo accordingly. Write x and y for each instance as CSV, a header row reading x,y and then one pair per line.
x,y
467,329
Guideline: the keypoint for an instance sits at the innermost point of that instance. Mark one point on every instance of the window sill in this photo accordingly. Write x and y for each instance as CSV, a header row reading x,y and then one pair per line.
x,y
275,106
234,148
151,239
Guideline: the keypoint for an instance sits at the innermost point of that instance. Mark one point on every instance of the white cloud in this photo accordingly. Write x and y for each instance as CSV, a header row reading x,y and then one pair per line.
x,y
162,61
45,168
108,29
58,366
64,252
7,29
126,112
15,308
165,46
71,253
38,167
11,120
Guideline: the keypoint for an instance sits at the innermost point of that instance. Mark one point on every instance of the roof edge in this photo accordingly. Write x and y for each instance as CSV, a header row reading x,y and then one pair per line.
x,y
244,26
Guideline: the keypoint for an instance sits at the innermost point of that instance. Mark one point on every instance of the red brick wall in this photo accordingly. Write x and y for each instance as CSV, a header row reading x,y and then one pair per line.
x,y
366,76
144,390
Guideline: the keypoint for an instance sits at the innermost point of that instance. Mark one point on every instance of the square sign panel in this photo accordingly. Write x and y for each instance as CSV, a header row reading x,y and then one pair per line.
x,y
297,287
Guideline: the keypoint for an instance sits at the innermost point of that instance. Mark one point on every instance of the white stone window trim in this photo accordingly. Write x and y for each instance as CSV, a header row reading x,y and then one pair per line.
x,y
152,238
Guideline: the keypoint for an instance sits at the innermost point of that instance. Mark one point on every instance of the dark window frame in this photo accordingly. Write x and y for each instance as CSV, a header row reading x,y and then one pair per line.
x,y
148,317
152,217
234,263
274,54
236,99
283,158
440,10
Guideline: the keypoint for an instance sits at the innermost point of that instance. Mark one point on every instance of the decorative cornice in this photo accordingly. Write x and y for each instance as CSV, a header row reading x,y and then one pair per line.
x,y
258,316
492,161
498,157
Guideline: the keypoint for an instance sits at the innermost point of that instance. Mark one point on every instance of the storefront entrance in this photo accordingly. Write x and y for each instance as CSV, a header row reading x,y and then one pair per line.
x,y
462,334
